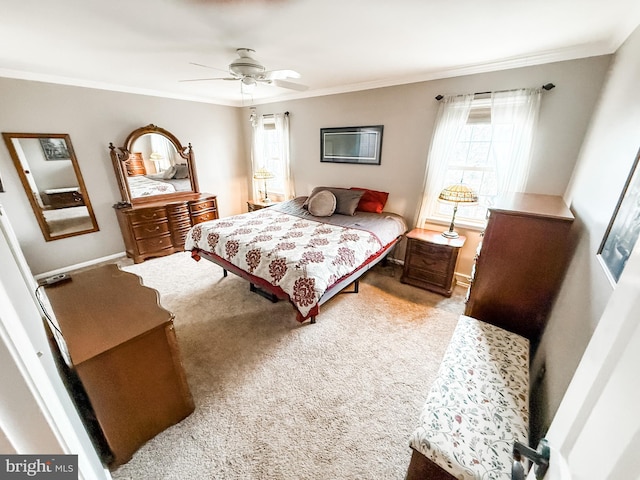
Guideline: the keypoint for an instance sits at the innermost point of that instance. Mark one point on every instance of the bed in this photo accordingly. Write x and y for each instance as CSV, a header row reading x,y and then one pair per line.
x,y
156,184
143,186
288,253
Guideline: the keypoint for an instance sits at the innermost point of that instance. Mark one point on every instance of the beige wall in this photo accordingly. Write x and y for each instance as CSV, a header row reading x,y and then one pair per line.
x,y
93,118
408,114
608,152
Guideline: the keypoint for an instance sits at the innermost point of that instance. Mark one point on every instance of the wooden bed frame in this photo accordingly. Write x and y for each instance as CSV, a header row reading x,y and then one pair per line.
x,y
275,293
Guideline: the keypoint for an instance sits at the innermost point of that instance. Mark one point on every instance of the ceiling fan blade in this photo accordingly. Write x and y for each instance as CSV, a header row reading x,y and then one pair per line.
x,y
290,85
280,74
207,66
207,79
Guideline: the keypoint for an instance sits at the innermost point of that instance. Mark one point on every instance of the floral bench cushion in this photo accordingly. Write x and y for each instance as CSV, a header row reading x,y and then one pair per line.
x,y
478,405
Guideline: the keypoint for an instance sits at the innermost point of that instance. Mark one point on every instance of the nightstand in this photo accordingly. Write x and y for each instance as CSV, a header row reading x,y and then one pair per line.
x,y
430,260
253,205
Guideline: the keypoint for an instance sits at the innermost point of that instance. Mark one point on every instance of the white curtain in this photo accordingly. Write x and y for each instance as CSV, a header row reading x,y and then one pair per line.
x,y
274,156
161,145
282,132
514,115
257,152
451,118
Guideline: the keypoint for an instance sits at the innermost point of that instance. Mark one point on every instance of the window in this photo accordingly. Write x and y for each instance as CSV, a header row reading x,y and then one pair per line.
x,y
271,152
271,156
484,143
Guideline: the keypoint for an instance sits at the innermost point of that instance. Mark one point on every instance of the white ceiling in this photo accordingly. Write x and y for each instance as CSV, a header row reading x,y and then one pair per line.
x,y
146,46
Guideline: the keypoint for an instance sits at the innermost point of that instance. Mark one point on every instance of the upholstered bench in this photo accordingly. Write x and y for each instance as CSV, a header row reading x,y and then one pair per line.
x,y
477,407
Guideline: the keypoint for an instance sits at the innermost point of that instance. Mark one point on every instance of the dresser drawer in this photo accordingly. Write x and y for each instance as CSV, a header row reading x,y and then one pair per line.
x,y
147,215
154,244
204,217
198,206
150,229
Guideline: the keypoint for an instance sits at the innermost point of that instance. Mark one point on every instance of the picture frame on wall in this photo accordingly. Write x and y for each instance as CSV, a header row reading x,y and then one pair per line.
x,y
359,145
55,149
624,227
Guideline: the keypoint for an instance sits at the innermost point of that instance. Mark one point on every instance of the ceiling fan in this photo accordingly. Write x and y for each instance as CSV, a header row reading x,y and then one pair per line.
x,y
250,72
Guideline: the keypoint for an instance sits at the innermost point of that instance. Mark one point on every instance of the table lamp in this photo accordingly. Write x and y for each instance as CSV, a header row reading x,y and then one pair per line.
x,y
264,174
156,157
456,194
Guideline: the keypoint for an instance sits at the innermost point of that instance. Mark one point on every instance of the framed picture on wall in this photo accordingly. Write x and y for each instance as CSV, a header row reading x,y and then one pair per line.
x,y
55,149
360,145
624,227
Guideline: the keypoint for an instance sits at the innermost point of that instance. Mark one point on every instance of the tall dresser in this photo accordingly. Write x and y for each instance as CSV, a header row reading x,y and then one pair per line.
x,y
520,263
160,228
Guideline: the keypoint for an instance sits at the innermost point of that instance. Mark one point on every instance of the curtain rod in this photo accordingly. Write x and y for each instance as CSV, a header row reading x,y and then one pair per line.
x,y
272,114
546,86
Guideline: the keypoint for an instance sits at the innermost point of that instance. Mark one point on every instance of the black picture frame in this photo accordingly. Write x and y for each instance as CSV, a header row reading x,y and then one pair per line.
x,y
624,228
55,149
359,145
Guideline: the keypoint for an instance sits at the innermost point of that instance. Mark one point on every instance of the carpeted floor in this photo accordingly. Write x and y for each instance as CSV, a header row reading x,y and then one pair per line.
x,y
280,400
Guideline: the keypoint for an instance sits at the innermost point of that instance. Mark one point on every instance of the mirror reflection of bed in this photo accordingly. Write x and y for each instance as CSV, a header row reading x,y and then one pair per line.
x,y
155,167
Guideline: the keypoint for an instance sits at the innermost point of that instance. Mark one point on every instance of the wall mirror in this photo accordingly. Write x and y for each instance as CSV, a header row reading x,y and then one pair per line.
x,y
153,165
51,177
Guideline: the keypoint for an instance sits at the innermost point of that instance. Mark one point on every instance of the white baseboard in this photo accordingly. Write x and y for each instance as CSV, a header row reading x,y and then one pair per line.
x,y
397,261
463,280
77,266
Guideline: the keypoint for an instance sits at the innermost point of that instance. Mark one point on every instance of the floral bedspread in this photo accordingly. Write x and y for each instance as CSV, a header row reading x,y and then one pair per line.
x,y
478,405
299,255
141,186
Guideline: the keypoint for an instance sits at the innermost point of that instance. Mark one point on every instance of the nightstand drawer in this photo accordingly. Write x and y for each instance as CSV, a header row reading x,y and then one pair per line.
x,y
419,276
434,258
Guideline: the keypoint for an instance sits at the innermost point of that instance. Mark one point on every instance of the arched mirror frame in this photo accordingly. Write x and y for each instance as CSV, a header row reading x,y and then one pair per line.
x,y
9,137
120,155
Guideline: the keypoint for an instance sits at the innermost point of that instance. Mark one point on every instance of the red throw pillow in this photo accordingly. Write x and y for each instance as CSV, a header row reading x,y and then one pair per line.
x,y
372,200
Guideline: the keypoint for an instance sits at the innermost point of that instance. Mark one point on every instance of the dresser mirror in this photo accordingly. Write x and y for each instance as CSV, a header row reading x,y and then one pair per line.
x,y
153,166
49,172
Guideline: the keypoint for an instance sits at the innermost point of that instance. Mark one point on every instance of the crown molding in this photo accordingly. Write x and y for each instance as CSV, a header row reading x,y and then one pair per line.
x,y
559,55
76,82
472,69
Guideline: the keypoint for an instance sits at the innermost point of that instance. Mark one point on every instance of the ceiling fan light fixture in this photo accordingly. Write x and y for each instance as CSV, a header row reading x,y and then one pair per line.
x,y
248,84
246,64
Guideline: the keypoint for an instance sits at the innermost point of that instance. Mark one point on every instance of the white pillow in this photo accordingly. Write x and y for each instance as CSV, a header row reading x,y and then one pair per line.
x,y
322,204
169,172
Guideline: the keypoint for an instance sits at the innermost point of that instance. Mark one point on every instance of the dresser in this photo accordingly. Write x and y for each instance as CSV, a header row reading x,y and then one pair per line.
x,y
123,349
520,263
63,197
430,260
159,228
